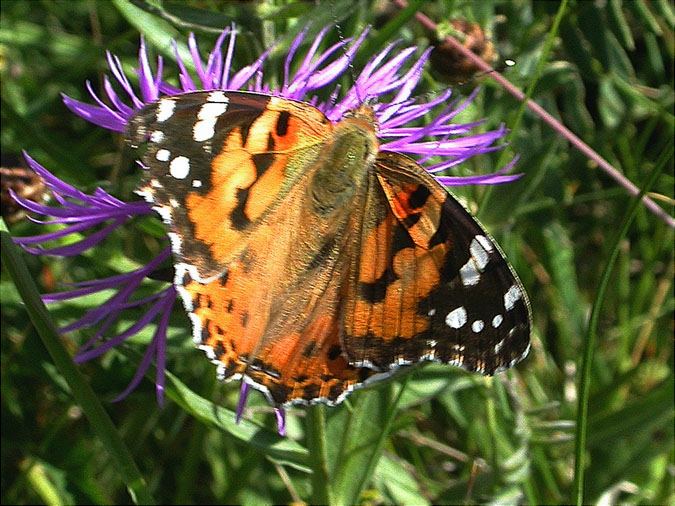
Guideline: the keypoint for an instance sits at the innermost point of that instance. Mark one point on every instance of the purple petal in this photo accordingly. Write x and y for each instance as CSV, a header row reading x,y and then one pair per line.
x,y
114,281
241,404
80,246
186,82
124,109
474,180
98,335
148,84
297,41
160,339
227,66
104,118
403,115
213,72
113,305
140,372
241,77
281,421
115,66
103,107
118,339
333,70
54,183
32,239
412,78
311,52
479,143
196,57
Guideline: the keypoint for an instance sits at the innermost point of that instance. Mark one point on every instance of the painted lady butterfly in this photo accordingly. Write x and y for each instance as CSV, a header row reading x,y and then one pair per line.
x,y
309,261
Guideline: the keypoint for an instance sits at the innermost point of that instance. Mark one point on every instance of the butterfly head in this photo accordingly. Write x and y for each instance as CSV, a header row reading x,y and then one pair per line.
x,y
359,127
365,113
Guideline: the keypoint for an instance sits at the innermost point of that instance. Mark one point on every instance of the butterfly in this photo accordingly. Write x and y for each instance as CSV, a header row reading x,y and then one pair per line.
x,y
309,261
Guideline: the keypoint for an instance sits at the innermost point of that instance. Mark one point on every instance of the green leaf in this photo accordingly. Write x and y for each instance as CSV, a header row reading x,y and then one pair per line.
x,y
252,433
398,482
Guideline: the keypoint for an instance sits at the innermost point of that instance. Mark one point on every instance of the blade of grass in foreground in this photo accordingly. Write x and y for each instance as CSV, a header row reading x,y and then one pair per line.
x,y
591,334
101,423
360,439
259,437
316,444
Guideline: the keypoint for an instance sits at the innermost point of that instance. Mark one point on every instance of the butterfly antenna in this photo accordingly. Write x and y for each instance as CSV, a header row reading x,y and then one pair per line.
x,y
350,65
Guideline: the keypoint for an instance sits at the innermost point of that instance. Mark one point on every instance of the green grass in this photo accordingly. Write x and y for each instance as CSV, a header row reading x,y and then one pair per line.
x,y
598,269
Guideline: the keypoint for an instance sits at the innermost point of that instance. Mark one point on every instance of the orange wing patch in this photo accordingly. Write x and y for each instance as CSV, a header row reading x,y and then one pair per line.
x,y
391,276
253,172
308,364
284,339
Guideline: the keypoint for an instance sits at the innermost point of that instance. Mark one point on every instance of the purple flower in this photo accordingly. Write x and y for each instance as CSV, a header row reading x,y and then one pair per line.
x,y
387,80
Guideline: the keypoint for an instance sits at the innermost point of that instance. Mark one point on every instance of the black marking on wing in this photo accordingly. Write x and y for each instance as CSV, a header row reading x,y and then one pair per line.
x,y
282,123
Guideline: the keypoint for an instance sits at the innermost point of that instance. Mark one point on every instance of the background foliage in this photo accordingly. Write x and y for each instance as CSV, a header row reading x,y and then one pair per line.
x,y
453,437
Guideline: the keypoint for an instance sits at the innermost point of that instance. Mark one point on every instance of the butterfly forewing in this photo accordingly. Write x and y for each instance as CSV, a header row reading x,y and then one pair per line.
x,y
217,162
432,285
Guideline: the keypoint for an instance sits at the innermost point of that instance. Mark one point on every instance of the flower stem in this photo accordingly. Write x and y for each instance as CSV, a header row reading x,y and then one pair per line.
x,y
547,118
316,444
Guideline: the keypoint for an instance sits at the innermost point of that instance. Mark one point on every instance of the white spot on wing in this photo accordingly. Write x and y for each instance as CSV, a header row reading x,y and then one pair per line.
x,y
485,242
180,167
431,343
217,96
165,109
203,130
163,155
525,353
157,136
164,213
196,183
497,321
401,361
196,327
209,113
211,110
146,194
469,273
364,363
477,326
210,353
456,318
511,296
429,355
431,312
479,253
176,242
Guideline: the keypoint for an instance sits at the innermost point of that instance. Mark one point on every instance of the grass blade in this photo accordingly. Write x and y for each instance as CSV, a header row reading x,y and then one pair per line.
x,y
591,334
101,423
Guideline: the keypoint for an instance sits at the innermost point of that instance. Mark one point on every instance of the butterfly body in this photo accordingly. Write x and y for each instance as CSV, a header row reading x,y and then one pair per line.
x,y
311,262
